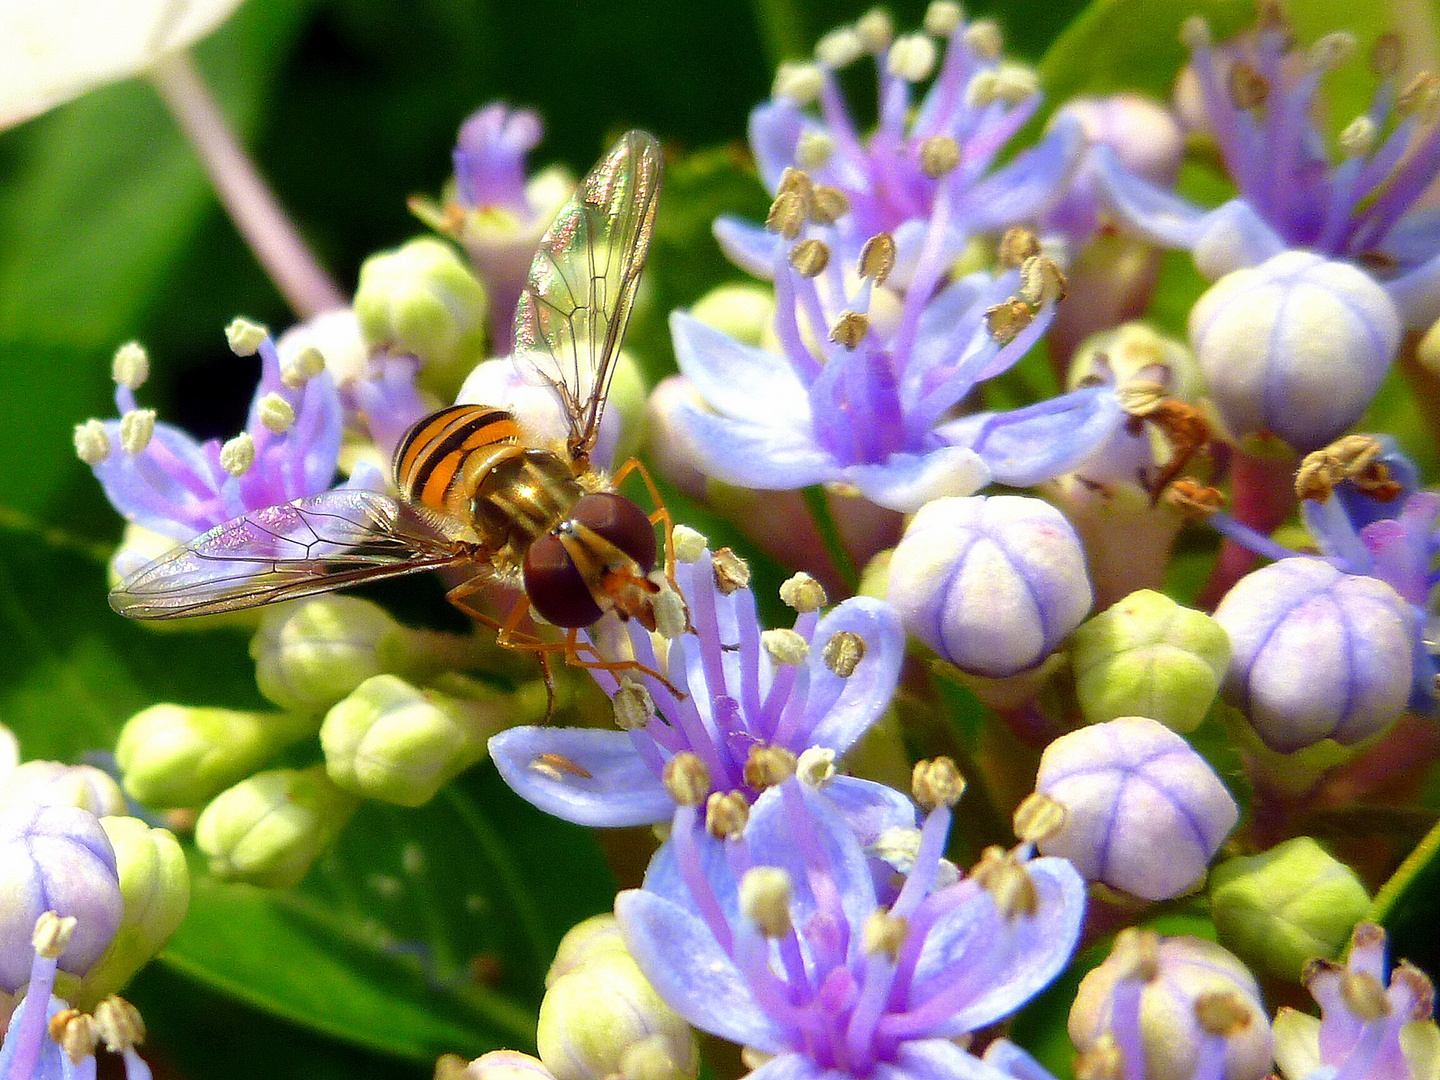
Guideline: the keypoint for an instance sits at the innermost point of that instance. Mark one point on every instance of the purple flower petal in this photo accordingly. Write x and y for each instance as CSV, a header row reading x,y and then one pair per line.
x,y
844,708
1030,951
906,482
938,1059
1233,237
1153,212
682,960
1028,186
620,790
740,381
750,247
1027,446
754,455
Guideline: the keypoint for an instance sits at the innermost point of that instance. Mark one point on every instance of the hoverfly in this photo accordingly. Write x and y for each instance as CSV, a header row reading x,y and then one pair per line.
x,y
476,492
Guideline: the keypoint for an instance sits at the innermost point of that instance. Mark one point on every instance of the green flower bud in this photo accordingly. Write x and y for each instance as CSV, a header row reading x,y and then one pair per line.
x,y
594,1019
155,886
1148,656
595,937
310,656
390,741
743,311
422,299
176,755
1289,905
53,783
270,827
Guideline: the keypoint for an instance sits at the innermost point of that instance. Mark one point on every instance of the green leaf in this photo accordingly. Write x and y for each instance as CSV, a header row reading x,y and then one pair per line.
x,y
423,932
103,196
1118,45
1408,905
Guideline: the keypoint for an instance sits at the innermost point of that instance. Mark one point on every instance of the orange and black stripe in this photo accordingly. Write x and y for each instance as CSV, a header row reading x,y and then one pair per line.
x,y
433,453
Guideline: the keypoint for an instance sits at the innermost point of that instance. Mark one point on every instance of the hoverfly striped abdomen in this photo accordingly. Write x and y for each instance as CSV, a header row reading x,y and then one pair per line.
x,y
468,461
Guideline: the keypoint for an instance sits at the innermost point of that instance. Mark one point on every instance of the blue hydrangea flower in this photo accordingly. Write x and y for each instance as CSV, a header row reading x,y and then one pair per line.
x,y
740,689
161,478
976,101
495,210
1262,111
859,398
784,947
32,1048
1367,1016
1369,520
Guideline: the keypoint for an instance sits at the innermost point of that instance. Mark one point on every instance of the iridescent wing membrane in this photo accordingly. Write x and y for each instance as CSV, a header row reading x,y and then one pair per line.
x,y
282,552
572,315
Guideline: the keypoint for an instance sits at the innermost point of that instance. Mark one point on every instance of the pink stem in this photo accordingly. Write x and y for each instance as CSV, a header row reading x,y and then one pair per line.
x,y
242,190
1262,493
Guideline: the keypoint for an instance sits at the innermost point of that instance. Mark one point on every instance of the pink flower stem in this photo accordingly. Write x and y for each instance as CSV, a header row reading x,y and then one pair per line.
x,y
246,197
1262,494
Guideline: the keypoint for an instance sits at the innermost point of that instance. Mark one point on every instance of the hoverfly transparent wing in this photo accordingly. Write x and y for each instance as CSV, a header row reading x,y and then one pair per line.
x,y
572,314
312,545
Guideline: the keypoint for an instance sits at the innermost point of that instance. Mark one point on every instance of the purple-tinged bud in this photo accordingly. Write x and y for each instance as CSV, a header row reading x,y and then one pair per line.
x,y
992,584
55,858
535,404
1132,788
1281,909
333,338
1316,653
421,299
1294,347
496,1065
1180,972
53,783
391,741
587,940
180,756
155,886
271,827
1148,656
604,1012
1145,137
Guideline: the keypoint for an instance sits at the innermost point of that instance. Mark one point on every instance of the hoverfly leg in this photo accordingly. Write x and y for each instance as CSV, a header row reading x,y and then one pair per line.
x,y
660,516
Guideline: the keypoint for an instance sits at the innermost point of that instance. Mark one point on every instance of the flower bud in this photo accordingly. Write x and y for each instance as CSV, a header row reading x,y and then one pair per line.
x,y
269,828
155,886
309,657
1131,788
392,742
593,1015
1148,656
9,752
55,858
595,937
1283,908
991,584
177,755
535,404
336,336
1316,653
743,311
53,783
496,1065
423,300
1186,968
1296,346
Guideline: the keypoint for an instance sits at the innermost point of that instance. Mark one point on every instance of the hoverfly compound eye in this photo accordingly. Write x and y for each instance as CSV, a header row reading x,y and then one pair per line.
x,y
610,532
621,522
556,588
